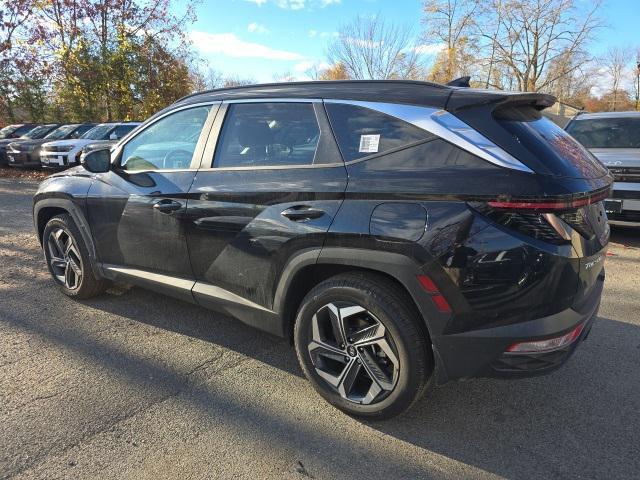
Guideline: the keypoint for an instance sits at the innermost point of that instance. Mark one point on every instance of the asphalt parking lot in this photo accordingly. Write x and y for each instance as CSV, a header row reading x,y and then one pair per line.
x,y
136,385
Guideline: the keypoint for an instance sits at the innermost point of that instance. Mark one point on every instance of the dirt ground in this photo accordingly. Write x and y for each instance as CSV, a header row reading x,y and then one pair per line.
x,y
136,385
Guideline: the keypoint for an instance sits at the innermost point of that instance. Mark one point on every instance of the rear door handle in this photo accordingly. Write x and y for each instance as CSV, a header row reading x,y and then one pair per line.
x,y
167,206
302,212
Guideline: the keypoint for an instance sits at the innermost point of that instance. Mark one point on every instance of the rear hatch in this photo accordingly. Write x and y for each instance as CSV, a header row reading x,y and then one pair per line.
x,y
564,203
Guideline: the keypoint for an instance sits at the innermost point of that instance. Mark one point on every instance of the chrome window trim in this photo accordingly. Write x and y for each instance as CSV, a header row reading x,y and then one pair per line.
x,y
446,126
201,143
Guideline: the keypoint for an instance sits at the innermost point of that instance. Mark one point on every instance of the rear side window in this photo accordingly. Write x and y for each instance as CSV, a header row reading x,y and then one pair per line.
x,y
362,132
607,132
268,134
559,151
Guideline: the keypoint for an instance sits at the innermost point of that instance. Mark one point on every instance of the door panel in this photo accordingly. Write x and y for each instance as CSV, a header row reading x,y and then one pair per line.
x,y
129,231
282,183
238,237
137,210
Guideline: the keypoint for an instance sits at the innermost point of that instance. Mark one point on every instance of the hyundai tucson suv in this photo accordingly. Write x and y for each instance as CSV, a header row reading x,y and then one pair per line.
x,y
614,138
26,131
401,234
27,153
61,154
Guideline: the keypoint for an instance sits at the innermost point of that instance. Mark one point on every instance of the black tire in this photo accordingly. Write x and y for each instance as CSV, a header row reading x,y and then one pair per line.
x,y
86,285
383,302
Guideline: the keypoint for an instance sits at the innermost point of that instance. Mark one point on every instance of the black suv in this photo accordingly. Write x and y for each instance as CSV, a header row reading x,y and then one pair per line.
x,y
401,234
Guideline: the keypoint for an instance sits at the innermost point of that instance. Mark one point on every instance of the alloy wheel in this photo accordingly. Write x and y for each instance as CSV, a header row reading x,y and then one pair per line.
x,y
64,258
353,352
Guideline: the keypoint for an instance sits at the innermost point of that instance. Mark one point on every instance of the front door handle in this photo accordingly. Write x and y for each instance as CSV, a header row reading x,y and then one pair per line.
x,y
167,206
302,212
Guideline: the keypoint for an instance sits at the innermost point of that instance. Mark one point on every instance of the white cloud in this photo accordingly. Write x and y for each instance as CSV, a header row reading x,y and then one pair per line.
x,y
291,4
316,33
297,4
255,27
229,44
430,48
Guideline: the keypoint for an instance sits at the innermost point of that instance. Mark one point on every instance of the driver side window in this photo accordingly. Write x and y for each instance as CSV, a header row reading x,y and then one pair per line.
x,y
168,144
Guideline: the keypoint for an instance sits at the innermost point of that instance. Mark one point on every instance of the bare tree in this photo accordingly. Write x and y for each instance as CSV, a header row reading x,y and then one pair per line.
x,y
370,49
615,62
451,23
531,37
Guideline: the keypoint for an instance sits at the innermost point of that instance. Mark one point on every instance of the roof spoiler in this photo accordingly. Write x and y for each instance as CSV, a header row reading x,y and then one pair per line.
x,y
465,99
460,82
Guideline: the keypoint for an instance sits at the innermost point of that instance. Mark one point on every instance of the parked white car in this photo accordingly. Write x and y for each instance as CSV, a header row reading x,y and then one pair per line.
x,y
63,154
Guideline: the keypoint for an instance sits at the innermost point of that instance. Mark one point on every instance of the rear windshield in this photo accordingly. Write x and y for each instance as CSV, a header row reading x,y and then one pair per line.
x,y
606,132
559,151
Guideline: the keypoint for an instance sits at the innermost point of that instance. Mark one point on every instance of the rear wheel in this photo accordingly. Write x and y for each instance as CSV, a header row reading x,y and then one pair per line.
x,y
362,347
68,259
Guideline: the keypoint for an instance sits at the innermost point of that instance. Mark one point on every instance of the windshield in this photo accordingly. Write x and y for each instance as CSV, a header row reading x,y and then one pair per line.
x,y
38,132
607,132
99,132
61,132
7,131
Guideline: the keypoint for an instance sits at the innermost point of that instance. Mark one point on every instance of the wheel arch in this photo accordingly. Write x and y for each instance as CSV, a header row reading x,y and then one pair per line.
x,y
313,267
45,209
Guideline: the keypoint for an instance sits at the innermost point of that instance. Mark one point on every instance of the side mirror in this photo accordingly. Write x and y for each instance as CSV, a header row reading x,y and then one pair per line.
x,y
113,136
96,161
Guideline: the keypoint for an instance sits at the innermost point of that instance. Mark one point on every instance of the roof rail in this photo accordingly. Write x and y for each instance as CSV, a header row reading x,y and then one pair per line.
x,y
460,82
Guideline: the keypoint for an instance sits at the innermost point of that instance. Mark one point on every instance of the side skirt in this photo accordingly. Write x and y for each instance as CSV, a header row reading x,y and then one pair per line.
x,y
200,293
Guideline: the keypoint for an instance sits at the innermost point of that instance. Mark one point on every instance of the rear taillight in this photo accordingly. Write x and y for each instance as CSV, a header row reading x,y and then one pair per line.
x,y
551,220
550,344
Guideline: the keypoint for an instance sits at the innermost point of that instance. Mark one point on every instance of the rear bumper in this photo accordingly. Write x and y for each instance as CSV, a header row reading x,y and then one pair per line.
x,y
481,353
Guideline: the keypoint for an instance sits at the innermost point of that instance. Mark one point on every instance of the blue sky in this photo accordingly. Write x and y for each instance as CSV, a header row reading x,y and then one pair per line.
x,y
262,38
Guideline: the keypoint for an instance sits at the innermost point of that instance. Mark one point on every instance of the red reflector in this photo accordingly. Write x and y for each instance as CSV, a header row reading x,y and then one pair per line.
x,y
441,303
436,297
427,284
549,344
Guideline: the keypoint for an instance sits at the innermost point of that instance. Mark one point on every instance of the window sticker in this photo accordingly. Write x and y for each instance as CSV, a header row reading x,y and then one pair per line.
x,y
369,143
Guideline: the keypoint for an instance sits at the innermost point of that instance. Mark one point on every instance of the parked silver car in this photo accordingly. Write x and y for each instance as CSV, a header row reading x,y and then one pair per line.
x,y
66,153
614,138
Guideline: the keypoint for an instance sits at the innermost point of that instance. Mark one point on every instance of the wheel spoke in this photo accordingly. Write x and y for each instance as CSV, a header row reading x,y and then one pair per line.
x,y
348,377
368,334
58,242
374,371
336,323
69,277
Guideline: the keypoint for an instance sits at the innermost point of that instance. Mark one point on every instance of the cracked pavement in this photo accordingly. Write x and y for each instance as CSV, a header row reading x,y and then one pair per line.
x,y
136,385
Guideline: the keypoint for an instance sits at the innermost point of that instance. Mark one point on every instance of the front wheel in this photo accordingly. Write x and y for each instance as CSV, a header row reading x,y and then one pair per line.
x,y
68,259
362,347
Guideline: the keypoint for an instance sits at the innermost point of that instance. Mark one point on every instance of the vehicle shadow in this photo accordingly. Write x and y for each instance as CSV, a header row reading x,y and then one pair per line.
x,y
580,421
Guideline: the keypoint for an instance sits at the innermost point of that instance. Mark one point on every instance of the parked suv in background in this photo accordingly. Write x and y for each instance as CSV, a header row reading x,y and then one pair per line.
x,y
26,153
62,154
614,137
401,234
13,133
